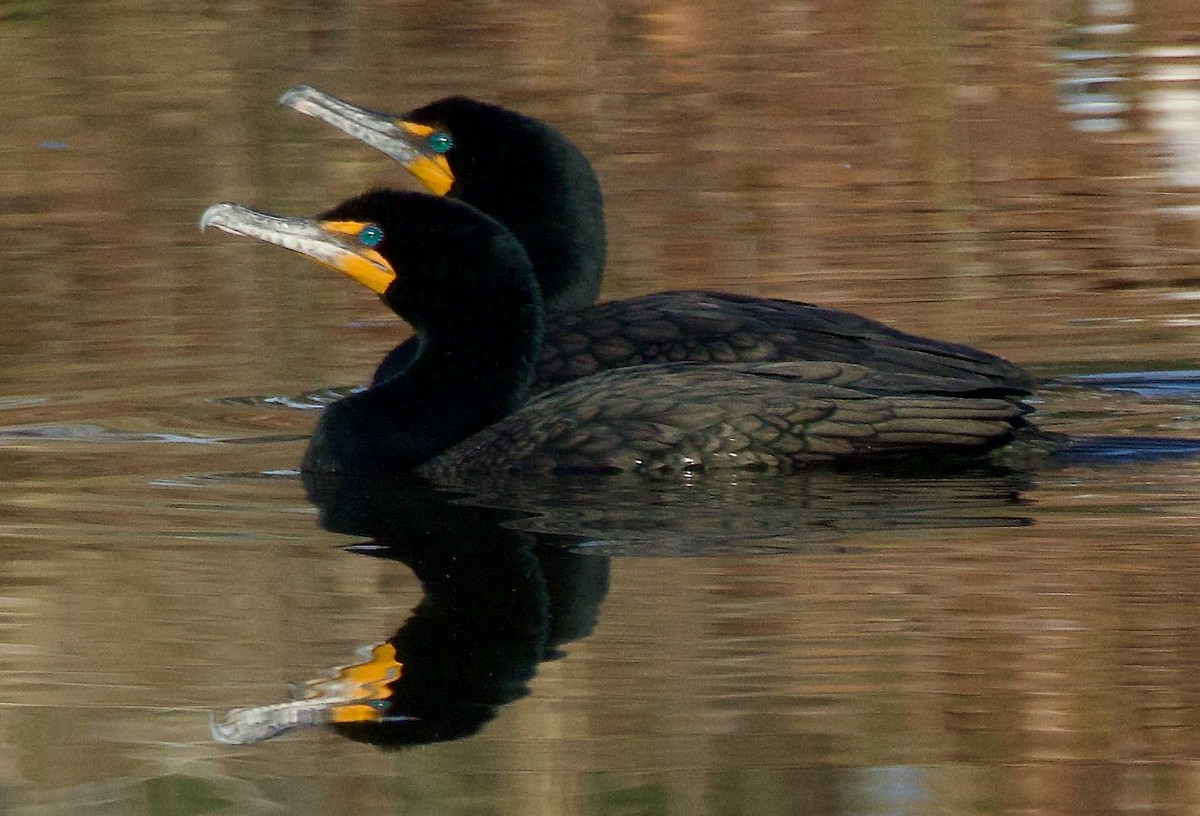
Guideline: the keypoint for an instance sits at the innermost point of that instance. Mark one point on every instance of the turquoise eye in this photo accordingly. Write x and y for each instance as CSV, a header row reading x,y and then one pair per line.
x,y
440,141
370,236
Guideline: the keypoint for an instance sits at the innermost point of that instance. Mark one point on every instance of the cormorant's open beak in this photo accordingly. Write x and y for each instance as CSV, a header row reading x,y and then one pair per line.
x,y
331,243
406,142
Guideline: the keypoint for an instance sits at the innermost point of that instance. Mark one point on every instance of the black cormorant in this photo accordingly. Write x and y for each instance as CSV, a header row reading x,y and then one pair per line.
x,y
461,408
534,181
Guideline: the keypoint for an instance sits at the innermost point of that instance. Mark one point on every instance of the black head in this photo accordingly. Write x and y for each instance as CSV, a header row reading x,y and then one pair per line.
x,y
533,180
450,260
496,149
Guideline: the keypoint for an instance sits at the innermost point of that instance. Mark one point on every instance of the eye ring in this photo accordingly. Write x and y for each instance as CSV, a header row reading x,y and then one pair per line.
x,y
440,142
370,236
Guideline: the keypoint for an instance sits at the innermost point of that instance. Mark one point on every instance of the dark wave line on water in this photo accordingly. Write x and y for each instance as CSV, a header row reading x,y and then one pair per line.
x,y
1177,384
1092,450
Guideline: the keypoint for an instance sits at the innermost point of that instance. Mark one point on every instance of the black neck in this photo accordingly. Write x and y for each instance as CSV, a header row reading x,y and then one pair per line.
x,y
466,376
472,376
557,213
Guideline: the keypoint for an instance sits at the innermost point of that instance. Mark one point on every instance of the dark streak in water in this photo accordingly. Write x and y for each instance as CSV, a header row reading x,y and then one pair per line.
x,y
1176,384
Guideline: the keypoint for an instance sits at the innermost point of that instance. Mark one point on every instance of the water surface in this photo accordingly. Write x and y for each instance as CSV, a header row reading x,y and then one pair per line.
x,y
1021,178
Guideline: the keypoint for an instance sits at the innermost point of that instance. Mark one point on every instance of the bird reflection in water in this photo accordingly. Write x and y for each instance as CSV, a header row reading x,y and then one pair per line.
x,y
512,573
497,601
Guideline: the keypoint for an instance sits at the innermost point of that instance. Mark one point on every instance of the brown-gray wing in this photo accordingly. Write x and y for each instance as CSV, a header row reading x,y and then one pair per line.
x,y
773,416
714,327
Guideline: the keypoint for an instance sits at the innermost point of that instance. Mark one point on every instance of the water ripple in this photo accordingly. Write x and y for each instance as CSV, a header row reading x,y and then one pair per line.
x,y
1176,384
314,400
90,432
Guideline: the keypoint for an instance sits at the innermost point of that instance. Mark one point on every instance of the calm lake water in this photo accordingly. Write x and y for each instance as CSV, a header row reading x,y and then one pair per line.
x,y
1020,177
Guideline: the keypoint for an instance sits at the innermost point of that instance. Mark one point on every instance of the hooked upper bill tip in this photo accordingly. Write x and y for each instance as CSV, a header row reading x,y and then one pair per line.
x,y
295,93
211,214
217,215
